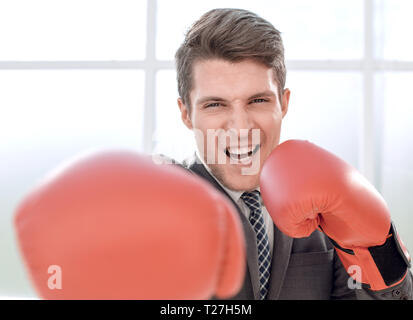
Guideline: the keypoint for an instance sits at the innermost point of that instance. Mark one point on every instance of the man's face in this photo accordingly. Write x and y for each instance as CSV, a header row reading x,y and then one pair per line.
x,y
235,101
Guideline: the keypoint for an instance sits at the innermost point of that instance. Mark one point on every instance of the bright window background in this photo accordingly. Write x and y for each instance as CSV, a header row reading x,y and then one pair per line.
x,y
81,75
168,120
333,105
397,149
72,29
393,25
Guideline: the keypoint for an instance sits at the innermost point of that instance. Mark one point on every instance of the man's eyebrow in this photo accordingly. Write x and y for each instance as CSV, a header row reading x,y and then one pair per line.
x,y
209,98
262,94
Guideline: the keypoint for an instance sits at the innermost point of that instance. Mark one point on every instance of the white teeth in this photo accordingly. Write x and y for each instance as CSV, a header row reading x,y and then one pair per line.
x,y
239,156
242,154
245,160
239,151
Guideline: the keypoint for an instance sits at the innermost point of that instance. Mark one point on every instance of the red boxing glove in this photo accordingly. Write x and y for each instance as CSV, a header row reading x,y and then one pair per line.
x,y
114,225
305,187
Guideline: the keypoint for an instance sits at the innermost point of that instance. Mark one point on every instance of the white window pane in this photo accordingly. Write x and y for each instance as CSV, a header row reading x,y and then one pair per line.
x,y
47,117
171,137
397,151
317,29
325,108
393,22
72,29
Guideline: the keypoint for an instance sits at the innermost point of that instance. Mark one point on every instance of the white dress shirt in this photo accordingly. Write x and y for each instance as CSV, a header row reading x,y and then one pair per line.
x,y
236,196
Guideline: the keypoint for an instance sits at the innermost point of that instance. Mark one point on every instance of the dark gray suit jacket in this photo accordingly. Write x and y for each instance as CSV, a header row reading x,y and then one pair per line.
x,y
306,268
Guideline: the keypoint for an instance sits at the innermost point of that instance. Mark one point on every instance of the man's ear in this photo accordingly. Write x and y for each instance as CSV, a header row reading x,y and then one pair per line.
x,y
185,115
285,100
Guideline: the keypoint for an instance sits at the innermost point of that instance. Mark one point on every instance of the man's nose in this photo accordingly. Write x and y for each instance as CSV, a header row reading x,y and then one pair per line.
x,y
239,119
239,126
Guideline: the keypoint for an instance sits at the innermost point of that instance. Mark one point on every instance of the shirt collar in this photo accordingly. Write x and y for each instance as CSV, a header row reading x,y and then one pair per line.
x,y
235,195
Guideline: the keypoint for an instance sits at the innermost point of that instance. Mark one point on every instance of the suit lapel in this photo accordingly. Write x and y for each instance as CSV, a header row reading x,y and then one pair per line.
x,y
252,254
279,263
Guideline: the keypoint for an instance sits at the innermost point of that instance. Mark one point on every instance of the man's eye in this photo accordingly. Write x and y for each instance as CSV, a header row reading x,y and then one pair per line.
x,y
215,104
259,100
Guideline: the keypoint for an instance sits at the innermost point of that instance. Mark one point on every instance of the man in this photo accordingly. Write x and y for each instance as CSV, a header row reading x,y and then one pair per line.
x,y
231,77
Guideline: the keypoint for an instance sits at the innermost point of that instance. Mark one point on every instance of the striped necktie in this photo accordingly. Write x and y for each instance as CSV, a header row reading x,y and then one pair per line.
x,y
253,201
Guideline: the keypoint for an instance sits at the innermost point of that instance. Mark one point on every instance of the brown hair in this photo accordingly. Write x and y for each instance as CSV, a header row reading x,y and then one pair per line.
x,y
233,35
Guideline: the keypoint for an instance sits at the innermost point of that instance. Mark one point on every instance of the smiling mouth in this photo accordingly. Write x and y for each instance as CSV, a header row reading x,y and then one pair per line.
x,y
242,154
